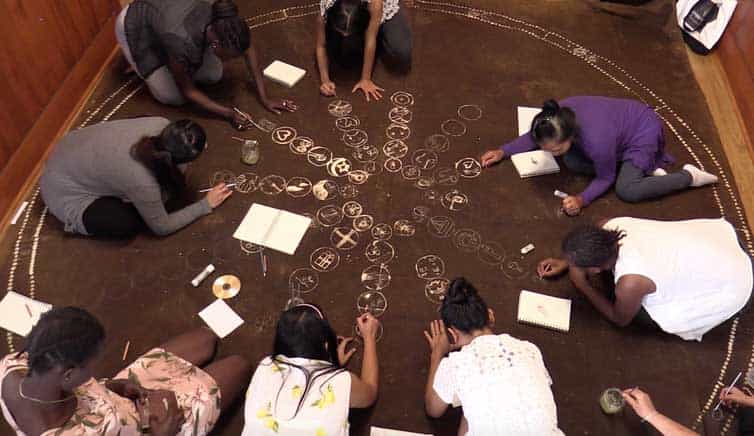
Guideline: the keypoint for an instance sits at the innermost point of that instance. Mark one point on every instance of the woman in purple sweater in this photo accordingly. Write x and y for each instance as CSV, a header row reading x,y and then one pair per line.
x,y
617,141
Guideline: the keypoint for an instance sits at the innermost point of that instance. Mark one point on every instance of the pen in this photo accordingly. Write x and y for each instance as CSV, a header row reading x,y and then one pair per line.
x,y
229,185
727,391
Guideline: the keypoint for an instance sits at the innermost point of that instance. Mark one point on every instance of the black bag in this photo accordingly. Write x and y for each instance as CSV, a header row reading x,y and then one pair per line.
x,y
702,13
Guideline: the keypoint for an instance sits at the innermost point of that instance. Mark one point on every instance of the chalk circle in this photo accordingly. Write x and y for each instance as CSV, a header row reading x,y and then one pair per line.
x,y
358,177
372,167
514,269
325,190
436,289
411,172
469,112
365,153
376,277
339,108
400,115
395,148
352,209
250,183
329,216
250,248
393,165
467,240
355,138
283,135
430,267
402,98
373,302
266,125
272,184
349,191
319,156
446,176
357,333
362,223
424,182
404,228
301,144
344,238
454,200
313,224
440,226
397,131
222,176
425,159
419,213
298,187
453,127
347,122
431,195
379,251
438,143
491,253
339,167
303,280
468,167
324,259
382,231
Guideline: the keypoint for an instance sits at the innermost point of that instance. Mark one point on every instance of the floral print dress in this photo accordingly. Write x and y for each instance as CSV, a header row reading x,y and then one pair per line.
x,y
278,402
102,412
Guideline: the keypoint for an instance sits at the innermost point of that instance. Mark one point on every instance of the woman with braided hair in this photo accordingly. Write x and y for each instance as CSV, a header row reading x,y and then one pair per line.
x,y
48,388
175,44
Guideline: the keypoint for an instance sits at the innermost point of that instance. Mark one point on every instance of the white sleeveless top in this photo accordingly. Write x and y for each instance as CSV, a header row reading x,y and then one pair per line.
x,y
702,275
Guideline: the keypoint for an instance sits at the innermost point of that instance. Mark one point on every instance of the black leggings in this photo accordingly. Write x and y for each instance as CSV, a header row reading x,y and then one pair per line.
x,y
111,217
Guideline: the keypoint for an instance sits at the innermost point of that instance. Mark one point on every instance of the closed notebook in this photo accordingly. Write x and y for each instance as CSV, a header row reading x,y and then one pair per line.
x,y
273,228
544,311
19,313
535,163
283,73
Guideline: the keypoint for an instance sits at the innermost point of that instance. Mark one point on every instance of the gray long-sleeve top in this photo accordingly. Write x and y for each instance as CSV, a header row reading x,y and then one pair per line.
x,y
96,162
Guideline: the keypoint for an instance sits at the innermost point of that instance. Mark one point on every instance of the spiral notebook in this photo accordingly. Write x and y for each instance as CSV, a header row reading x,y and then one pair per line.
x,y
544,311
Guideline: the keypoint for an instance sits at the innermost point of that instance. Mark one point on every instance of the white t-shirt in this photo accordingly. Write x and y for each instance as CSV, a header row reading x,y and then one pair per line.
x,y
702,275
502,384
389,8
276,391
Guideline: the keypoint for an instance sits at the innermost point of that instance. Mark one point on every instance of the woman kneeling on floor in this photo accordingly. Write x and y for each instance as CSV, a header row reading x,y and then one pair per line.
x,y
304,387
501,382
49,389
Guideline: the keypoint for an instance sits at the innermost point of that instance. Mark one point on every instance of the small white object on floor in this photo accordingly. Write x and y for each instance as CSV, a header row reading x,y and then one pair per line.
x,y
203,275
535,163
378,431
560,194
527,248
221,318
659,172
283,73
19,313
19,212
699,177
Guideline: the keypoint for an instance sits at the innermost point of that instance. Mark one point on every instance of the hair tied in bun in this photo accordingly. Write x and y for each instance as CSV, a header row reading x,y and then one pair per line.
x,y
224,9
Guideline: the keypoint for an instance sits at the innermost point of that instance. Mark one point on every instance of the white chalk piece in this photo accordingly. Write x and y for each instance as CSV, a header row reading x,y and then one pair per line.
x,y
203,275
378,431
19,313
527,248
19,212
560,194
283,73
221,318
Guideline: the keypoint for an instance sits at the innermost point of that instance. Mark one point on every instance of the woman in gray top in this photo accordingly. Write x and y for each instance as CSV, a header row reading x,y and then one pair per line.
x,y
172,44
111,178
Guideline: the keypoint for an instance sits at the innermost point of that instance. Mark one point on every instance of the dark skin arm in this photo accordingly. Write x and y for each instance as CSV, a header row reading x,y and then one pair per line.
x,y
252,64
195,95
629,292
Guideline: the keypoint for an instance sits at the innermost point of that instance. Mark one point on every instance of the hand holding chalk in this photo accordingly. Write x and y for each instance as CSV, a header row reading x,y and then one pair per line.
x,y
552,267
560,194
217,195
327,89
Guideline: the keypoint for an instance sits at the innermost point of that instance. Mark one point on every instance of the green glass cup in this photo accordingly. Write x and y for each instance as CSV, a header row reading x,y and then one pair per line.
x,y
612,401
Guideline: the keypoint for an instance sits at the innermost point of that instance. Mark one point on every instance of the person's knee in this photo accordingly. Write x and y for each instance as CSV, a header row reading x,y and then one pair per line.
x,y
628,193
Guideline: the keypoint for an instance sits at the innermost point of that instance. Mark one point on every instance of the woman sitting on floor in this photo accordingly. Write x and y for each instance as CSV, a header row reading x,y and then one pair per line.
x,y
110,178
689,276
349,30
501,382
48,389
304,387
172,44
617,141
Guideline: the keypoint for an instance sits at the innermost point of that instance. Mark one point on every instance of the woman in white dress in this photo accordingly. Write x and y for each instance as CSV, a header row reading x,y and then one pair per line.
x,y
303,388
501,382
689,276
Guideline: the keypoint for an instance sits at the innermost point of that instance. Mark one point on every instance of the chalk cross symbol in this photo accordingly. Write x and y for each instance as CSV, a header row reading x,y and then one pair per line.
x,y
346,239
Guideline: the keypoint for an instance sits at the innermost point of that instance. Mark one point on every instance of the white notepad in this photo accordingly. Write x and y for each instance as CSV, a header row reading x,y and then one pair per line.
x,y
378,431
221,318
525,117
273,228
544,311
283,73
535,163
19,313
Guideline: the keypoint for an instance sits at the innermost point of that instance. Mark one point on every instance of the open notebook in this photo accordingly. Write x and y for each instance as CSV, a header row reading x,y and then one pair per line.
x,y
19,313
544,311
273,228
284,74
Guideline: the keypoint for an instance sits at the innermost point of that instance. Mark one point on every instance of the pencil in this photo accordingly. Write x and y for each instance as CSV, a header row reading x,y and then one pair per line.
x,y
229,185
248,118
125,350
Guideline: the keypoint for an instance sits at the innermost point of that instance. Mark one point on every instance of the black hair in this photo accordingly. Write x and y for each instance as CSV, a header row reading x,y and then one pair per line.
x,y
64,336
553,123
591,246
179,142
351,17
303,331
231,30
463,308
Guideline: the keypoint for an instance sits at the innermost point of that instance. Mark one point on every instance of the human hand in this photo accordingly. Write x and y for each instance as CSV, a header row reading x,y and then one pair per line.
x,y
161,409
276,106
640,402
217,195
551,267
368,326
491,157
437,338
368,88
240,120
327,89
573,204
343,355
737,396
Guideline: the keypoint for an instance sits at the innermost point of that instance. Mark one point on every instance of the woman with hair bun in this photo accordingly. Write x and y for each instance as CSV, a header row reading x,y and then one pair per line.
x,y
616,141
501,382
174,44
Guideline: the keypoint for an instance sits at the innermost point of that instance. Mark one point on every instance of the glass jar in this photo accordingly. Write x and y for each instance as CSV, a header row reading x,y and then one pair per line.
x,y
250,152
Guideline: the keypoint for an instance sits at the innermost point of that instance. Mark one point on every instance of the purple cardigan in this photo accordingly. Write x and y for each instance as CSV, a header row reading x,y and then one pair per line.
x,y
611,130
